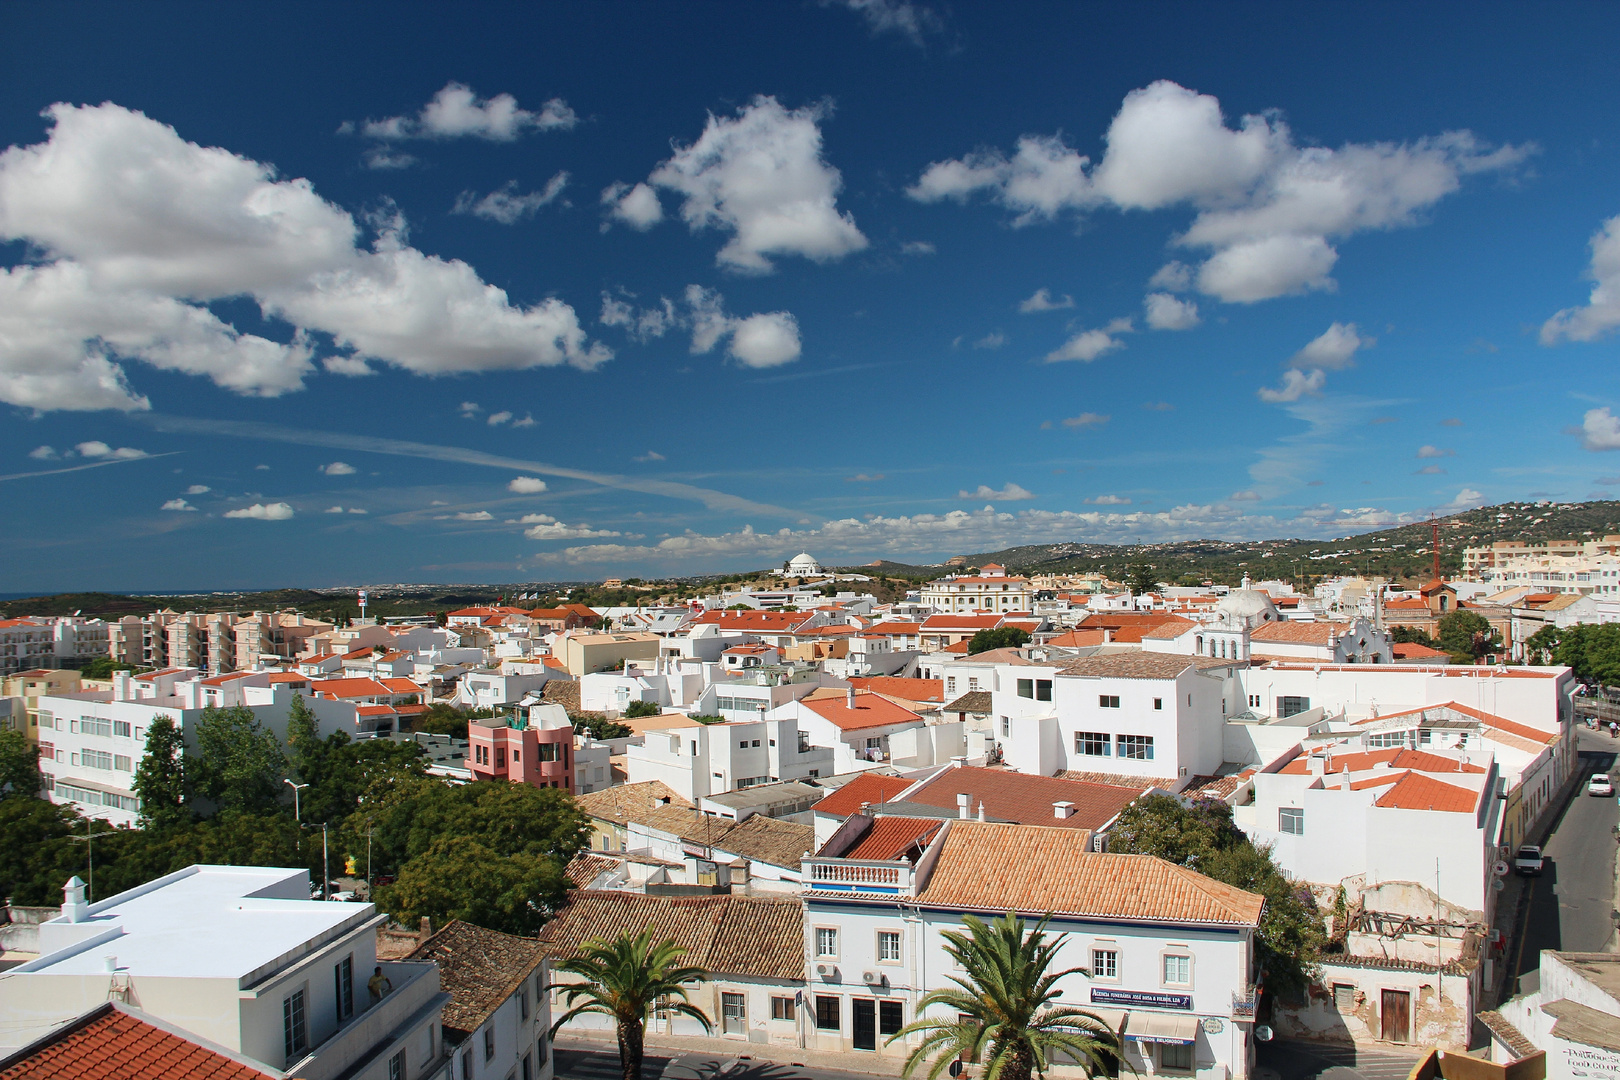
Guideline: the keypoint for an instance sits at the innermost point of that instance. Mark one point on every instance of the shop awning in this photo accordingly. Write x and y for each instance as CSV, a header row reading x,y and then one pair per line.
x,y
1113,1019
1161,1028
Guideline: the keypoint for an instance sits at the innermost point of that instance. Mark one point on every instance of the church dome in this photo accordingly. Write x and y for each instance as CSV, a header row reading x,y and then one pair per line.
x,y
804,563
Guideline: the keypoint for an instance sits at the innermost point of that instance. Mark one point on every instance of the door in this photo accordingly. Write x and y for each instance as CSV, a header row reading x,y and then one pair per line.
x,y
734,1020
1396,1013
865,1024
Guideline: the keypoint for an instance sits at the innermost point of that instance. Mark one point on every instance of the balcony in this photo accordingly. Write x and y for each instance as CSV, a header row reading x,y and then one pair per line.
x,y
376,1028
858,876
1245,1003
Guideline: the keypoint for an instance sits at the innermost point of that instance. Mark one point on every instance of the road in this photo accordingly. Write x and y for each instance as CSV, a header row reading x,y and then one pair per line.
x,y
1572,903
577,1062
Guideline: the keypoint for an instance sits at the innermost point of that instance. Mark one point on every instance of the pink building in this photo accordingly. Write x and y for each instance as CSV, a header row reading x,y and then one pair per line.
x,y
538,750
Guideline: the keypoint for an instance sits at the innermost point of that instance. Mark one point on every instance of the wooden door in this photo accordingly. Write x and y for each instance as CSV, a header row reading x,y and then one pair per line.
x,y
1396,1013
865,1024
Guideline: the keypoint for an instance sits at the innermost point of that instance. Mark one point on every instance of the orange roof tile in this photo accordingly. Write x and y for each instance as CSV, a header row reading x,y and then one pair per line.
x,y
892,837
1079,639
1172,627
865,788
871,710
1414,791
770,621
289,677
896,628
1298,633
1411,650
1024,798
959,647
1400,757
349,688
108,1043
961,622
907,689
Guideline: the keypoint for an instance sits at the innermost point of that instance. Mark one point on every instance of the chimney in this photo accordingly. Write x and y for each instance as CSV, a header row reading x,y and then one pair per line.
x,y
1063,810
73,905
427,927
1316,765
849,698
1344,778
959,762
866,809
963,808
981,809
111,963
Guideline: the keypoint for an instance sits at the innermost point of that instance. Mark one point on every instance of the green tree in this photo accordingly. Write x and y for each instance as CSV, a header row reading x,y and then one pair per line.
x,y
600,727
19,765
102,667
1411,635
460,878
637,709
624,979
1002,637
1140,579
1593,651
238,764
1005,1010
1466,635
160,777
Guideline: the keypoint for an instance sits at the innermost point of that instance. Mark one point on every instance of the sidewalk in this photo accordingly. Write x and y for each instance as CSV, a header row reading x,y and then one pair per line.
x,y
733,1049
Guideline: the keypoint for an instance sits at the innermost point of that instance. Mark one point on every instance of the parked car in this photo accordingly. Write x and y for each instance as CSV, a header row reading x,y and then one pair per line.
x,y
1528,861
1599,785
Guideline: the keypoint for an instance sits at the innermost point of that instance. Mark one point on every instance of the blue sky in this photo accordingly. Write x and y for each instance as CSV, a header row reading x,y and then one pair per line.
x,y
396,294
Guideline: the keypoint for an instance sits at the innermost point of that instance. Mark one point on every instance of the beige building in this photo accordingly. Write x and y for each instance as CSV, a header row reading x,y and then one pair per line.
x,y
990,590
26,688
585,654
1486,556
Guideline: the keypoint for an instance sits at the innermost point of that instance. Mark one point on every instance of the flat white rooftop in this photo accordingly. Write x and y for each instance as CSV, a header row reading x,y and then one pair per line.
x,y
207,922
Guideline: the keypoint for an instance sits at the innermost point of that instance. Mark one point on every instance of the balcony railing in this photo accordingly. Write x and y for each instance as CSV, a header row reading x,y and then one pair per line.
x,y
1245,1003
846,875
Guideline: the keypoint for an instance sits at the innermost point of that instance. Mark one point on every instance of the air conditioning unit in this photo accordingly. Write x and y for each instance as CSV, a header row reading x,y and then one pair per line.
x,y
874,978
827,972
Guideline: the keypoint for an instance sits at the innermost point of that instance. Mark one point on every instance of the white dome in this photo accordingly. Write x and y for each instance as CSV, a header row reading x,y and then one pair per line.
x,y
804,561
1247,604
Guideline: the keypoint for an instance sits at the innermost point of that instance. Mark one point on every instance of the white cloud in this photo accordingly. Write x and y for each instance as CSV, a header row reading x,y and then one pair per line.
x,y
1172,277
910,20
1109,500
276,511
1602,311
95,448
651,455
198,489
1431,470
863,478
536,519
358,510
457,112
42,453
1087,345
1600,430
1295,384
470,409
757,341
139,230
178,504
1085,420
1243,496
636,206
1267,208
333,510
641,324
1334,349
496,419
262,468
1468,497
475,515
505,205
1010,493
993,340
528,420
1166,312
917,247
1434,452
1042,301
558,530
526,485
761,177
386,157
338,468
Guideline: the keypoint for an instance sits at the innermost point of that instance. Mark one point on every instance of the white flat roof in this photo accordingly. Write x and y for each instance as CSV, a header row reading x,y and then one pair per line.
x,y
207,922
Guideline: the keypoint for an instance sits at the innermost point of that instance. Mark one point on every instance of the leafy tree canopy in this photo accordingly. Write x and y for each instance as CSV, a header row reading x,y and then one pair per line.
x,y
1140,579
160,777
637,709
1467,635
19,765
1592,650
460,878
1411,635
237,763
1002,637
600,727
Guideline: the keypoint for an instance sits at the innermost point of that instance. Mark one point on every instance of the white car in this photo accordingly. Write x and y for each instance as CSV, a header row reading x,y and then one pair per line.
x,y
1599,785
1528,862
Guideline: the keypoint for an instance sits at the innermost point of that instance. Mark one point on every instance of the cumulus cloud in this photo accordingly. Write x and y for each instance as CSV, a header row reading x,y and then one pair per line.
x,y
138,230
1427,451
757,341
1600,430
496,419
333,510
1042,301
1334,349
1468,497
198,489
1166,312
636,206
42,453
1173,277
338,468
1085,420
457,112
1601,313
1010,493
1268,210
1087,345
470,409
95,448
276,511
760,176
505,205
1109,500
642,324
557,530
473,515
179,504
1295,385
993,340
528,420
526,485
906,18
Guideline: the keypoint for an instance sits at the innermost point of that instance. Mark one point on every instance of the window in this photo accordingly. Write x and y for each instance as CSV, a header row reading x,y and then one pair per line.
x,y
91,725
781,1008
343,978
1043,689
674,744
1291,819
1158,704
1344,996
891,1018
973,683
548,752
121,763
466,1065
888,946
950,685
500,757
539,1051
1092,743
1135,748
1254,701
121,727
1292,706
523,1003
1006,727
1105,963
742,744
396,1066
295,1035
827,1012
826,942
1177,969
1107,701
1175,1057
1381,740
1026,688
489,1043
96,759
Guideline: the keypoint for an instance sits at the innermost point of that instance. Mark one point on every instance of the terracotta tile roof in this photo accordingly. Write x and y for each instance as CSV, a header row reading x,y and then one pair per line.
x,y
919,690
892,837
1113,620
402,686
629,802
961,622
1007,655
1035,870
865,788
1299,633
896,628
564,692
871,710
1215,787
974,701
767,840
1172,627
1490,721
221,680
778,621
1411,650
959,647
289,677
479,969
108,1043
1414,791
1026,799
352,688
1079,639
1130,665
1501,1027
1400,757
723,935
1125,780
584,868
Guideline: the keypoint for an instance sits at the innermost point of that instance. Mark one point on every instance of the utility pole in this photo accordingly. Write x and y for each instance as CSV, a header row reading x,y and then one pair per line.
x,y
326,866
88,839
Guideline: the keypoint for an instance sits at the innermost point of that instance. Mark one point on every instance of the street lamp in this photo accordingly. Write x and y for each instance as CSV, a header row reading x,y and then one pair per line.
x,y
296,789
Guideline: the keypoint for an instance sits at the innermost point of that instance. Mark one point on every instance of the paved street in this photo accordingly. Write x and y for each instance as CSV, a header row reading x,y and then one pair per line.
x,y
1315,1061
581,1062
1572,904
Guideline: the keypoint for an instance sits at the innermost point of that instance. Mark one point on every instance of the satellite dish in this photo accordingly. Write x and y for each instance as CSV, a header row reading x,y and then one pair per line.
x,y
1262,1032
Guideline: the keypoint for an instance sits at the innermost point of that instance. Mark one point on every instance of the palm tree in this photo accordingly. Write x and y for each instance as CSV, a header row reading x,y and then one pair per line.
x,y
625,979
1005,1002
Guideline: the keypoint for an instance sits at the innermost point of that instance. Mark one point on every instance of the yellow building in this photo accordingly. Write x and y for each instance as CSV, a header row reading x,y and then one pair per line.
x,y
585,654
29,687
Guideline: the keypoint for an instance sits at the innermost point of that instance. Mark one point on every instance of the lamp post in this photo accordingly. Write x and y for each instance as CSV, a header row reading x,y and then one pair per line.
x,y
88,839
296,789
